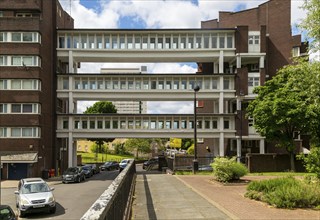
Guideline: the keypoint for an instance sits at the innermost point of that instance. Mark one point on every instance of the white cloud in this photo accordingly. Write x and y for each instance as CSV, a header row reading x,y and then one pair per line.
x,y
170,107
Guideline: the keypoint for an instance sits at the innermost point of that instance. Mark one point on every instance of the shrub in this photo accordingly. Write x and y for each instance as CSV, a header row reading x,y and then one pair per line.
x,y
312,161
286,192
225,169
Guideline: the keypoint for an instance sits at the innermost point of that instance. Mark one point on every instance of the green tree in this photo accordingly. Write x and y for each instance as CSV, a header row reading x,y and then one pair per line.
x,y
102,107
186,143
280,109
138,145
190,150
312,22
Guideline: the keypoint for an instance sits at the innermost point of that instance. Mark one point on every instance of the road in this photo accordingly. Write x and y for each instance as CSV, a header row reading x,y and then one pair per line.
x,y
73,199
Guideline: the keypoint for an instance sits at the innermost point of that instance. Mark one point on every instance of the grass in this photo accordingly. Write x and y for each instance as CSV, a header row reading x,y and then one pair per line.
x,y
286,192
91,157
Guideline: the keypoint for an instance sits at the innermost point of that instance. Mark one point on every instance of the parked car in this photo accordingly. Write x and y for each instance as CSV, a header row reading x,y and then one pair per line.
x,y
73,174
88,171
150,162
205,168
95,168
110,165
34,195
7,213
123,164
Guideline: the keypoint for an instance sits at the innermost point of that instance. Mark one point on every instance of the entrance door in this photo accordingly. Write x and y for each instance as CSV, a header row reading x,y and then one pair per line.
x,y
17,171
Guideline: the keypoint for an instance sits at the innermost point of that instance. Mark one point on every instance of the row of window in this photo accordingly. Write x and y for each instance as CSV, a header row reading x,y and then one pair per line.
x,y
14,132
150,41
18,108
16,60
146,84
147,124
24,37
20,84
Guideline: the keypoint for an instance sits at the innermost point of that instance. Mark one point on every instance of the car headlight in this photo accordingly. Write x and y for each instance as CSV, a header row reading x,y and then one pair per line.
x,y
51,199
24,202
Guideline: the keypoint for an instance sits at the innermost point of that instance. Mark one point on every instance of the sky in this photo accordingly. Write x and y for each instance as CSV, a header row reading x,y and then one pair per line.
x,y
157,14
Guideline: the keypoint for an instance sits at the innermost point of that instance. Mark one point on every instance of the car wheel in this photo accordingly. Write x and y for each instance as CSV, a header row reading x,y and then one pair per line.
x,y
53,210
79,179
21,213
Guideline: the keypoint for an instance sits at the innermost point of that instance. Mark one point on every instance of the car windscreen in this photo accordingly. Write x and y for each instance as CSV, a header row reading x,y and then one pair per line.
x,y
70,171
34,188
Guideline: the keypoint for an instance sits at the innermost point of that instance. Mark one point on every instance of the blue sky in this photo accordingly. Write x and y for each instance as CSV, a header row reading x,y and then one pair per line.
x,y
141,14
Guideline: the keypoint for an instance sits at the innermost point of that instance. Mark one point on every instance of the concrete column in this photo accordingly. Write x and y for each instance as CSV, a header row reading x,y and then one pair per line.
x,y
71,105
215,67
221,143
221,61
262,148
71,62
239,149
238,62
261,62
70,150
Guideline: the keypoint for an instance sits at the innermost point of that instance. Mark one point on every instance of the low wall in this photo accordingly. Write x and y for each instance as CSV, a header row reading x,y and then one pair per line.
x,y
271,162
115,202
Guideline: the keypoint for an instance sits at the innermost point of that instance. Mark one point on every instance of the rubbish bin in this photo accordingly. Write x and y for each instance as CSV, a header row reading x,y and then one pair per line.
x,y
45,174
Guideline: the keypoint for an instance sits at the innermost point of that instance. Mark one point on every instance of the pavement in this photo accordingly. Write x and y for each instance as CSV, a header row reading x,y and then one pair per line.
x,y
160,196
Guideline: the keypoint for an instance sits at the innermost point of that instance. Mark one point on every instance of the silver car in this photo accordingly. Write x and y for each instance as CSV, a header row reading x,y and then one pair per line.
x,y
34,195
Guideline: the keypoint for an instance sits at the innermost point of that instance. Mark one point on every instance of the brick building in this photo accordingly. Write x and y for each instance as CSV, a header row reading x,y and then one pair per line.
x,y
28,85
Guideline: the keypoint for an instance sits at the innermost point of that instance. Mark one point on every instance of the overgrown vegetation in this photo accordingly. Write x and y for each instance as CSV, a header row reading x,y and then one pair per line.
x,y
228,169
312,161
286,192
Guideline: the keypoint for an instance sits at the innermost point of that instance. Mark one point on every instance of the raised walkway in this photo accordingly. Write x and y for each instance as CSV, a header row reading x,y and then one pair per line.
x,y
161,196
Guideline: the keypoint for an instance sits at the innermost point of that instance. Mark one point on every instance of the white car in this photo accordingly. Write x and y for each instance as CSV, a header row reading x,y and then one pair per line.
x,y
123,164
34,195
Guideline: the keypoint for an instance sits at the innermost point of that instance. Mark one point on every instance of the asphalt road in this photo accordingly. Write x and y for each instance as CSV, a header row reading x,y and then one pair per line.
x,y
73,199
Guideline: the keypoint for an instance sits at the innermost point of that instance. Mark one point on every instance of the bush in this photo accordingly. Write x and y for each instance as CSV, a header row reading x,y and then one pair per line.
x,y
312,161
286,192
226,170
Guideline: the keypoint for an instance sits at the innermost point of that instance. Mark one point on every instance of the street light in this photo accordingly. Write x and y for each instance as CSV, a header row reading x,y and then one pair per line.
x,y
195,160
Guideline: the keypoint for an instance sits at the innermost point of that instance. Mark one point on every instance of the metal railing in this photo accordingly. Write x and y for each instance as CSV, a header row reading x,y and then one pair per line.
x,y
115,202
184,162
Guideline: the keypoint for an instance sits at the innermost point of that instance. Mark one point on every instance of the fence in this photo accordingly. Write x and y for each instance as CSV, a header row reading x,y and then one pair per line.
x,y
185,162
115,202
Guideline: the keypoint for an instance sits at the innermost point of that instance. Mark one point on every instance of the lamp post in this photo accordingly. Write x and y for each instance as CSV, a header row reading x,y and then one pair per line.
x,y
195,160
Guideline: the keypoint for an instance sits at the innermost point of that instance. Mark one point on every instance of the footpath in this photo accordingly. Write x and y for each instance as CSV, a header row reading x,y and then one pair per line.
x,y
161,196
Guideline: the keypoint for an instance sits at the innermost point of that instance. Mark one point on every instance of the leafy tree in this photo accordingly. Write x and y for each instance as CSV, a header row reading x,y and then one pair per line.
x,y
95,148
312,22
139,145
119,148
186,143
280,109
190,150
102,107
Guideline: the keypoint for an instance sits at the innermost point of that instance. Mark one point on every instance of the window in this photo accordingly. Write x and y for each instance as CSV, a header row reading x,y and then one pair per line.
x,y
3,108
226,124
16,132
229,41
226,84
253,81
296,51
214,39
221,42
18,84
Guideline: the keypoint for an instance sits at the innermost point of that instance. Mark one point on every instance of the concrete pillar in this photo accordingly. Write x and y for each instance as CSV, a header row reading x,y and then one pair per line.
x,y
221,61
238,62
70,150
71,69
261,62
262,147
221,143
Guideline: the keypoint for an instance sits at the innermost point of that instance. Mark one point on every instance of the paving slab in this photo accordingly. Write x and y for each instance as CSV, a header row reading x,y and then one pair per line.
x,y
163,196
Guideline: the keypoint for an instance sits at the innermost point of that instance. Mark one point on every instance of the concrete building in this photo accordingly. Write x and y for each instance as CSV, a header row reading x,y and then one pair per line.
x,y
234,54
